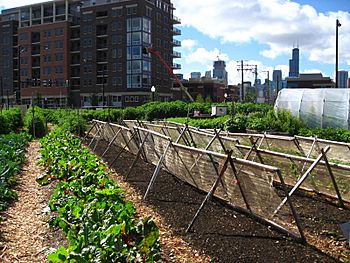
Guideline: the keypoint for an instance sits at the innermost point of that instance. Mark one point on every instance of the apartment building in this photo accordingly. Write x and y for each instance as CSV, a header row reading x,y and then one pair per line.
x,y
88,53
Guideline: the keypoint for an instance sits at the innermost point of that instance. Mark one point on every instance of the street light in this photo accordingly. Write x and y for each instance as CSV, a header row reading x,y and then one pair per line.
x,y
336,52
153,90
225,95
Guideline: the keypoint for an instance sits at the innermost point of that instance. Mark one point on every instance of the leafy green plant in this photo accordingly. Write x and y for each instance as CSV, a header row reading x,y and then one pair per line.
x,y
12,155
10,120
35,122
91,210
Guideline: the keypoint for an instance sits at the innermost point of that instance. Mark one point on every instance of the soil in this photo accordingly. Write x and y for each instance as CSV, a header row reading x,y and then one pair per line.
x,y
24,232
221,234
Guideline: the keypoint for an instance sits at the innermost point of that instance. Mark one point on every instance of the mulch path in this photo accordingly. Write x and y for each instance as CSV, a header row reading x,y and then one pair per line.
x,y
221,234
24,234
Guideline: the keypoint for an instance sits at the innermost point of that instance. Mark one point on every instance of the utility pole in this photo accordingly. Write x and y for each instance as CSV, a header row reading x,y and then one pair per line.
x,y
336,52
241,67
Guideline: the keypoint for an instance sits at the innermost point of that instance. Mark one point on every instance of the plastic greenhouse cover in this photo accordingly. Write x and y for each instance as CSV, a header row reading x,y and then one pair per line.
x,y
319,108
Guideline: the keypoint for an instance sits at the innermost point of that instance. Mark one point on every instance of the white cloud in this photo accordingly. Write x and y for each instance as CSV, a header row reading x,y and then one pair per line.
x,y
188,43
279,24
204,56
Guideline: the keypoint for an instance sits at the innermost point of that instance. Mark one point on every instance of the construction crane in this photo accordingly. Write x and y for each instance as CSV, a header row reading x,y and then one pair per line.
x,y
150,50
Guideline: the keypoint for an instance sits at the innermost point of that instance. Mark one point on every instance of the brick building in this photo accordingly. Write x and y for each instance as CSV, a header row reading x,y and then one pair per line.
x,y
87,53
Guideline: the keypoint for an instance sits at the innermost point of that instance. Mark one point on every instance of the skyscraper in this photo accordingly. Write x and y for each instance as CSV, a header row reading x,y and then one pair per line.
x,y
88,52
219,70
343,79
294,63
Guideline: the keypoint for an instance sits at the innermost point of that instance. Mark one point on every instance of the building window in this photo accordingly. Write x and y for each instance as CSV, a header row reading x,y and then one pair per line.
x,y
23,36
59,56
117,12
47,70
134,24
126,98
59,69
132,10
59,31
116,39
101,14
47,58
59,44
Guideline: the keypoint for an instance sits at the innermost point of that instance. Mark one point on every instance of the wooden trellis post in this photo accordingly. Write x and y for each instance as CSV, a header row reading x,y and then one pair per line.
x,y
212,190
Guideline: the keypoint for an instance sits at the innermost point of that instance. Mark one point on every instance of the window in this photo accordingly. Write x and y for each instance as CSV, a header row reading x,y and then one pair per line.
x,y
87,42
59,44
117,12
59,56
126,98
146,66
24,60
59,31
134,38
47,58
23,36
59,69
134,52
132,10
148,11
47,70
116,39
101,14
134,24
146,25
146,38
87,29
116,25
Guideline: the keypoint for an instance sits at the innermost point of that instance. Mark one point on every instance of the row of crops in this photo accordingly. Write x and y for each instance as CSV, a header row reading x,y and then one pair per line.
x,y
99,223
90,208
12,156
241,117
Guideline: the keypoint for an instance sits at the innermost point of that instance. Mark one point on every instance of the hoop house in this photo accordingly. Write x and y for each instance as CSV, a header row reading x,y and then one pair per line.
x,y
319,108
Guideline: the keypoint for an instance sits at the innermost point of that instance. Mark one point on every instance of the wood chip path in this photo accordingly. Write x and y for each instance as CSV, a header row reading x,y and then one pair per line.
x,y
24,234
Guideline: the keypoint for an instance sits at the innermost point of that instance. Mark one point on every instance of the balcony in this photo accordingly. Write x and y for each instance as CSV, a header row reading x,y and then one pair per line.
x,y
176,43
176,66
176,54
175,19
176,31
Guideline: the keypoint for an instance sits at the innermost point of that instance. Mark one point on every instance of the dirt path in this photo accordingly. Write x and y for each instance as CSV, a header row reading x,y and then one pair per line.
x,y
25,235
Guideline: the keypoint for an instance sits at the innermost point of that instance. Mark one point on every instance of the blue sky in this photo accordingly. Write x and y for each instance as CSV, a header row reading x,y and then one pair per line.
x,y
262,32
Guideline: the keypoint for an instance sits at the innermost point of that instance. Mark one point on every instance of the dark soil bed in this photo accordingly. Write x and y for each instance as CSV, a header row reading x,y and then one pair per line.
x,y
228,236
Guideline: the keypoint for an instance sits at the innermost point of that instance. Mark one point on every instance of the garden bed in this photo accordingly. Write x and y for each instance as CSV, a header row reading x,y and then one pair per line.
x,y
226,235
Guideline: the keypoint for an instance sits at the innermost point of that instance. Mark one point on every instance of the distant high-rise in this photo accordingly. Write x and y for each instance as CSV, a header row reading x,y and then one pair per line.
x,y
195,75
343,79
277,75
219,70
294,63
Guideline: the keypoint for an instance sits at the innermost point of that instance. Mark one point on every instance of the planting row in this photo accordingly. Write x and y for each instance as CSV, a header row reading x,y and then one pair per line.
x,y
90,208
12,156
241,117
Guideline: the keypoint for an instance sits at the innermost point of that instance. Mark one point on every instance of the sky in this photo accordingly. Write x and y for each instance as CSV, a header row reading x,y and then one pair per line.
x,y
260,32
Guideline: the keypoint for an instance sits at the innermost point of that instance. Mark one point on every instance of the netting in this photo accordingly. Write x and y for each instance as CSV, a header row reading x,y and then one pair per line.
x,y
244,184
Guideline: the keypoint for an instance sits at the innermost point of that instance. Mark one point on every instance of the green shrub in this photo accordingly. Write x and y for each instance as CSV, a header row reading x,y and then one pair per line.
x,y
35,125
10,120
73,122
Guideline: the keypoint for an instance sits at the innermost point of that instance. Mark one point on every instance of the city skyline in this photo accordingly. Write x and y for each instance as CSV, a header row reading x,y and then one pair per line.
x,y
261,32
264,33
